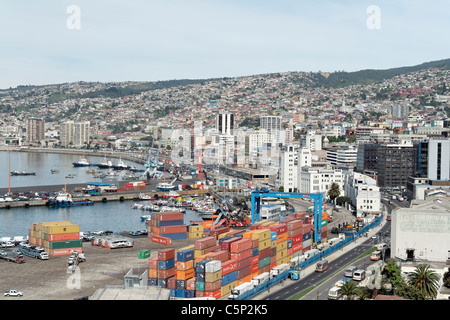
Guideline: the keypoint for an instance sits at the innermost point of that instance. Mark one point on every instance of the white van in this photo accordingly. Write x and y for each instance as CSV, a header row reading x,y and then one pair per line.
x,y
359,275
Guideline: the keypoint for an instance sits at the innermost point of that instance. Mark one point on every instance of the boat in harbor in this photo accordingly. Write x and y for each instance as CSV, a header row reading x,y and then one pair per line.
x,y
65,199
54,171
171,194
120,165
146,197
83,162
105,164
22,173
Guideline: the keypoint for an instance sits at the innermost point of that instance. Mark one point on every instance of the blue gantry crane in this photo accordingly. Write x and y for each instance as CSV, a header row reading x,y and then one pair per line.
x,y
262,193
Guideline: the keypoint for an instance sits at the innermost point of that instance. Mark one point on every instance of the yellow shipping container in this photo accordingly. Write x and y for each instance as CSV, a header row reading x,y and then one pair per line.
x,y
281,254
190,247
198,228
226,289
261,235
213,276
283,260
264,244
282,245
195,235
273,244
68,228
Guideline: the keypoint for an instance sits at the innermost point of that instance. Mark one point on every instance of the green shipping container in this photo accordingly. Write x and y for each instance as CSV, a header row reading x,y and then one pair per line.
x,y
264,262
200,286
143,254
66,244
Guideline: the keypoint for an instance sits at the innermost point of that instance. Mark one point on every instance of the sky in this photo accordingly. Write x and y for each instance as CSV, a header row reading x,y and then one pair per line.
x,y
59,41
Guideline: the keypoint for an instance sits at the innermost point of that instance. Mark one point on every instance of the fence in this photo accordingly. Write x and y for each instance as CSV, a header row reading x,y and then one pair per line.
x,y
282,276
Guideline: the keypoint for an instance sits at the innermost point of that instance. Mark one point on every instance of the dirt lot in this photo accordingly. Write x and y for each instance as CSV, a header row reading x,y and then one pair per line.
x,y
49,279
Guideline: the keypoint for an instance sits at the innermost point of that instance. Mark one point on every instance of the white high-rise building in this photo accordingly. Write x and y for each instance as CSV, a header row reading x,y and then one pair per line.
x,y
255,142
319,180
364,193
74,134
272,124
439,159
287,175
225,123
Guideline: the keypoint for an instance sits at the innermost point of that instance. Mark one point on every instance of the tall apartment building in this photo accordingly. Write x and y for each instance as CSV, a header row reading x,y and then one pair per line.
x,y
35,129
342,155
225,123
311,140
287,175
393,163
74,134
319,180
438,167
255,143
272,124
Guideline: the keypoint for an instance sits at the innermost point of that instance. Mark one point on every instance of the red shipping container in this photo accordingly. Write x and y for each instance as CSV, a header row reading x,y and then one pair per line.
x,y
254,260
213,286
166,254
307,228
173,229
244,263
255,243
273,259
264,253
167,273
295,224
161,240
278,228
238,256
235,233
172,283
204,243
199,294
297,247
190,284
226,244
254,268
241,245
221,255
168,216
296,239
306,249
153,263
63,236
288,219
211,249
295,232
243,272
215,294
229,266
264,269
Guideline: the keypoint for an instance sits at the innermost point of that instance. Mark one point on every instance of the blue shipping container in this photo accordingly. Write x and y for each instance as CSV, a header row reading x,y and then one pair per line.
x,y
200,266
173,292
229,277
190,293
273,236
166,264
185,255
152,281
255,252
181,293
175,236
169,223
181,284
306,236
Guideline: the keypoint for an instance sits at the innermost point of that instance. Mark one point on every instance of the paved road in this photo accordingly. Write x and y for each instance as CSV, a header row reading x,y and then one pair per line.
x,y
337,261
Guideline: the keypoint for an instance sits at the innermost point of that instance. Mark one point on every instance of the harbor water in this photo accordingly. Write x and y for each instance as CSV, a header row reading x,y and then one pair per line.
x,y
114,216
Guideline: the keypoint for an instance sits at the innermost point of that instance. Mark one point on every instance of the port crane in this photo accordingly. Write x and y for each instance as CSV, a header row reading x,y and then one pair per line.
x,y
152,171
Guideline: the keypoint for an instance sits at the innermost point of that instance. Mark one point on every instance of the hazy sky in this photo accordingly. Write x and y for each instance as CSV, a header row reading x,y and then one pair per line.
x,y
149,40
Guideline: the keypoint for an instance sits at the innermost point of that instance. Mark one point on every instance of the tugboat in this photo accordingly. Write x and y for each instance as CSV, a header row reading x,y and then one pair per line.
x,y
106,164
64,199
82,163
120,165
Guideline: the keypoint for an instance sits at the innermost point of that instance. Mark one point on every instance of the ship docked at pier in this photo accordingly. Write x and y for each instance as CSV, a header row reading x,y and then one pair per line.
x,y
65,199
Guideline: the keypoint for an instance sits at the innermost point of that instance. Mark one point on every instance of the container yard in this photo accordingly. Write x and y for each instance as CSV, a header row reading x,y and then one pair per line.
x,y
219,261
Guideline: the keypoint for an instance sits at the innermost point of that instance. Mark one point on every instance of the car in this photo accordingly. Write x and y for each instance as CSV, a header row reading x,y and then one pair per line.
x,y
13,293
388,218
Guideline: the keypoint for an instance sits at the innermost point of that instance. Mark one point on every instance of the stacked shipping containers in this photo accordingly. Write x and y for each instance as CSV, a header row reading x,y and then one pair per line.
x,y
58,238
185,272
168,224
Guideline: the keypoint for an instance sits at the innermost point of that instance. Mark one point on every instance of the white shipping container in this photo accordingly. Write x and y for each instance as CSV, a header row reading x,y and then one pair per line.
x,y
213,266
306,243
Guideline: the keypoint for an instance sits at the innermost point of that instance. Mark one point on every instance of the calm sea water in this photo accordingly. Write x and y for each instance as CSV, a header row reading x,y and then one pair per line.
x,y
115,216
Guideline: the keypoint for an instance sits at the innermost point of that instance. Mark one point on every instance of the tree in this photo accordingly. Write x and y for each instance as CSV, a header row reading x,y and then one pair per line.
x,y
426,280
349,290
447,279
392,273
343,200
334,191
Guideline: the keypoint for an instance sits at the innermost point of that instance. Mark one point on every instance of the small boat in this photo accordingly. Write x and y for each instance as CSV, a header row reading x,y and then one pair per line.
x,y
54,171
64,199
69,177
105,164
145,197
145,218
83,162
22,173
120,165
164,186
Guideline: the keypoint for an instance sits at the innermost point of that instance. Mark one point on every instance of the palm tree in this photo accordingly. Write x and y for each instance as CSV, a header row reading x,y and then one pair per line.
x,y
349,289
426,280
334,191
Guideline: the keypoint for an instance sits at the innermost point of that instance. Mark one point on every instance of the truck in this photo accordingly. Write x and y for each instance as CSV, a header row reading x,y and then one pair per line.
x,y
296,261
12,256
13,293
76,258
260,279
311,253
240,290
280,269
33,252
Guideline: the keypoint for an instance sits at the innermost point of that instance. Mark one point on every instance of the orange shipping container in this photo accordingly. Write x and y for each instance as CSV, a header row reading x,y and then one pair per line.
x,y
167,273
185,274
152,273
64,252
215,294
185,265
282,237
63,236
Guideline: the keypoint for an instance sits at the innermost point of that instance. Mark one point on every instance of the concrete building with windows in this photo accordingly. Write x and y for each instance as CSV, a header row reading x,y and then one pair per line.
x,y
287,175
364,193
35,129
422,232
319,180
74,134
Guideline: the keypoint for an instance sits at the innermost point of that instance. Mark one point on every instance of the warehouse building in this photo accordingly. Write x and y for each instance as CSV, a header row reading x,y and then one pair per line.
x,y
422,232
